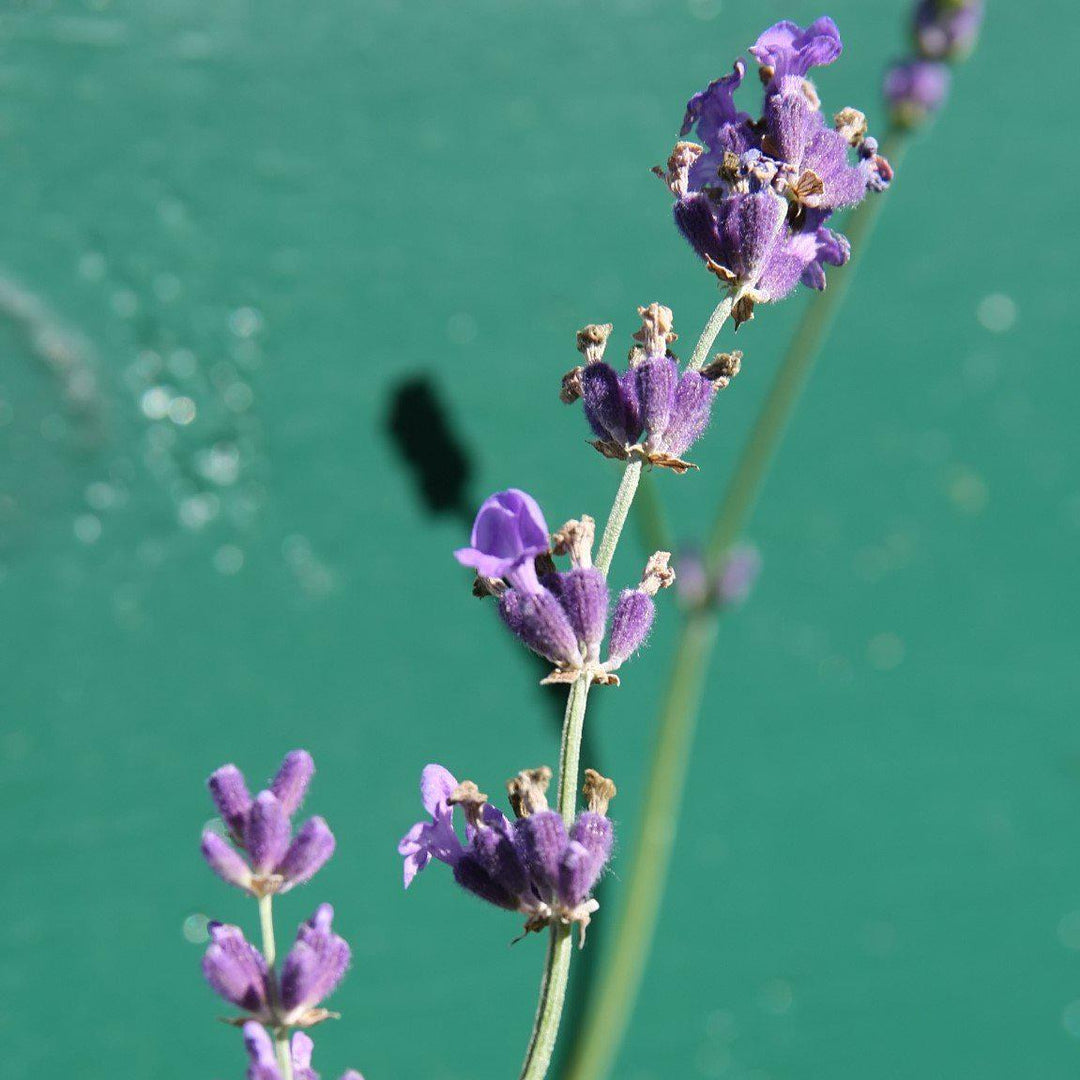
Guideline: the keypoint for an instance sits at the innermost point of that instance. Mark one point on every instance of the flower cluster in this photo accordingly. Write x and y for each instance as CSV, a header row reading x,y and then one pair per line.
x,y
533,865
559,614
261,828
944,32
649,411
754,200
728,586
310,973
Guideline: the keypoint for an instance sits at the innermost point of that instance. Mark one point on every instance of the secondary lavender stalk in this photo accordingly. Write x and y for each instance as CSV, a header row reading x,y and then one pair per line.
x,y
609,1011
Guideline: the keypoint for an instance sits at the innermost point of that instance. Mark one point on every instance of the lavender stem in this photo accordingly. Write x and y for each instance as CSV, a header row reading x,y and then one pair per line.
x,y
269,949
266,921
615,522
712,328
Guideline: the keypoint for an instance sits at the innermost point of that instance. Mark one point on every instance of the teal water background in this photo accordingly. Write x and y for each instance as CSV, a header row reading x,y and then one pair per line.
x,y
229,234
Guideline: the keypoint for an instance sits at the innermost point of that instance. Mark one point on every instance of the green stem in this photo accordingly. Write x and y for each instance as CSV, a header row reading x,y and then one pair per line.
x,y
617,518
560,947
269,949
712,328
605,1025
266,921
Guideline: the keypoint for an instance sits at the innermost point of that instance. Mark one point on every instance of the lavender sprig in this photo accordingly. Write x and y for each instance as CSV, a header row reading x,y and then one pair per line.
x,y
264,859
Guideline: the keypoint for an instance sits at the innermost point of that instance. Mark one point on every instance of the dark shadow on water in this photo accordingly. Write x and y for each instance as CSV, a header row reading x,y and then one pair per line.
x,y
423,432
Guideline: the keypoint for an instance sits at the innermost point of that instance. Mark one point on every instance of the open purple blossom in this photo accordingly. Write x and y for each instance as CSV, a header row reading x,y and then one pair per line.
x,y
947,29
915,90
559,614
755,199
263,1063
434,839
317,962
533,865
652,410
277,861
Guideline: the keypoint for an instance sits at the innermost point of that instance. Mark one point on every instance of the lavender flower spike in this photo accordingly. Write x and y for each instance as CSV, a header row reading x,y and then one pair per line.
x,y
263,1064
533,865
754,201
636,610
262,827
670,409
947,29
915,90
312,970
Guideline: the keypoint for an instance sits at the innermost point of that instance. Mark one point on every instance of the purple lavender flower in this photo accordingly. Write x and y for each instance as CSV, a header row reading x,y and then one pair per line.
x,y
263,1063
237,972
435,838
947,29
738,575
915,90
507,535
670,410
311,971
753,202
635,611
559,614
262,827
532,865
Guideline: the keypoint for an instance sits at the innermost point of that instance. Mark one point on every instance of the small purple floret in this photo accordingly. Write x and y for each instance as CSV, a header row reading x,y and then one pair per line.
x,y
314,966
630,626
263,1061
947,29
262,827
507,535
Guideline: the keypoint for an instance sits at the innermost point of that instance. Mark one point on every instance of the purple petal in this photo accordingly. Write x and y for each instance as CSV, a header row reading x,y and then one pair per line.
x,y
542,840
694,397
268,833
496,853
609,402
315,964
291,783
225,860
301,1048
630,626
472,877
595,834
583,595
307,854
235,970
545,629
509,529
230,795
656,381
576,876
436,786
260,1049
791,50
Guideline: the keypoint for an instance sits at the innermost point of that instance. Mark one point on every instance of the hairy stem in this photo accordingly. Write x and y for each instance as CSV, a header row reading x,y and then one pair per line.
x,y
594,1054
716,321
617,518
269,949
560,947
266,921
